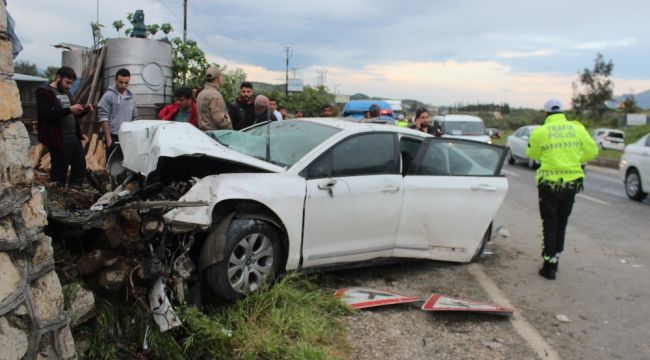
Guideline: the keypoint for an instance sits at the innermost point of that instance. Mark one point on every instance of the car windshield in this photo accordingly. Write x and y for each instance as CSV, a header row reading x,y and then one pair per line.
x,y
463,128
290,140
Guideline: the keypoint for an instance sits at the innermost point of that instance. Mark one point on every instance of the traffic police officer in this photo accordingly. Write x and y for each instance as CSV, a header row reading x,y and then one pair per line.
x,y
561,147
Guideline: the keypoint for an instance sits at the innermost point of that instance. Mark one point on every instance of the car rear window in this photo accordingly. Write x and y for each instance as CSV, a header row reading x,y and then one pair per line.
x,y
616,135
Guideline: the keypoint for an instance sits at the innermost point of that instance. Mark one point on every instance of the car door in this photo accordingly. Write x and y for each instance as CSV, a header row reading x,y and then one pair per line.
x,y
451,194
644,164
353,201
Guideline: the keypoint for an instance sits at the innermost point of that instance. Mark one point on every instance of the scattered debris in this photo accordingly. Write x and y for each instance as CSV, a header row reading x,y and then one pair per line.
x,y
563,318
504,233
623,261
439,302
361,298
493,345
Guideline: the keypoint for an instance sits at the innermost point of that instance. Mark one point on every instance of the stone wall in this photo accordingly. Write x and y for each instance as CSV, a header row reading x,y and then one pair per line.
x,y
33,324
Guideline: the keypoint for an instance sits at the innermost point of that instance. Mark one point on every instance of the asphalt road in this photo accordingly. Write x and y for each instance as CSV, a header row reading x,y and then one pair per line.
x,y
603,285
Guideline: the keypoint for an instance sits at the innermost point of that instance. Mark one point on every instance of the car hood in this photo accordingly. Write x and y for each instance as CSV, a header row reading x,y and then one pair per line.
x,y
144,142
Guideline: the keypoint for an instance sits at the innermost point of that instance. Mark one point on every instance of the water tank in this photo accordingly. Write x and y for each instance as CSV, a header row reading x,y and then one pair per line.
x,y
150,64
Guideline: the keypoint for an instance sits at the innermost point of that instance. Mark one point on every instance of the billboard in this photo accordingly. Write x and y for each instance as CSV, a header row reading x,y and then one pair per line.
x,y
295,85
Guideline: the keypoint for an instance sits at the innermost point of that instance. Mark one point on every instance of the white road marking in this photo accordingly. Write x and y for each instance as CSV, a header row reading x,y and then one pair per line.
x,y
510,173
534,339
593,199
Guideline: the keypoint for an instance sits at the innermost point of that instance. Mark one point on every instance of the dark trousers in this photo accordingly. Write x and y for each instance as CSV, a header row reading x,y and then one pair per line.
x,y
555,206
72,155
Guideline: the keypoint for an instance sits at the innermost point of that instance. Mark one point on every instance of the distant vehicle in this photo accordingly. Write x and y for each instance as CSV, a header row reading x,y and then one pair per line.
x,y
516,145
609,138
463,127
493,133
357,109
635,168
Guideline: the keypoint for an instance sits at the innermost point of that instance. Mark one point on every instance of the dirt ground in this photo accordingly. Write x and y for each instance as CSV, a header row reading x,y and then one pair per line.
x,y
406,332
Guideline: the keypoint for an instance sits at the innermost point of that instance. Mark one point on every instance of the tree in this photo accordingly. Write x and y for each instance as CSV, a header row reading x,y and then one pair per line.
x,y
50,72
118,24
630,105
188,63
593,89
25,67
152,29
98,38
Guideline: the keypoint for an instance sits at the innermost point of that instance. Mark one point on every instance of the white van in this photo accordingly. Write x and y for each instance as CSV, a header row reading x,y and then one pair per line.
x,y
463,127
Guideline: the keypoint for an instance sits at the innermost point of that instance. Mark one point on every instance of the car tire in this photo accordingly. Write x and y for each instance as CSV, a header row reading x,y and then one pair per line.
x,y
633,187
511,159
251,260
484,241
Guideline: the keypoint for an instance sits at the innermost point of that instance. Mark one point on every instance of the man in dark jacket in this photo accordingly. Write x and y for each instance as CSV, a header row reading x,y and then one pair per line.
x,y
58,128
242,111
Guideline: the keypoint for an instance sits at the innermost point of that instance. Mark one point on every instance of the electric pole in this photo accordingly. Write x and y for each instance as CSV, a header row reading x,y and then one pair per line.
x,y
287,55
184,21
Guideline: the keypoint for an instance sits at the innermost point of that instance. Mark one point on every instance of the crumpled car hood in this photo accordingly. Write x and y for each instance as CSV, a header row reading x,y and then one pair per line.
x,y
143,142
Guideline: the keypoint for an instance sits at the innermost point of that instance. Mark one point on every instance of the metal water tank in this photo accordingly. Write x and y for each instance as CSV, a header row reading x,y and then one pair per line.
x,y
150,64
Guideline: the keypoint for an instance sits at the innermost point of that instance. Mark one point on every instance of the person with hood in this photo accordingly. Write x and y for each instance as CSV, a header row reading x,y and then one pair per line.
x,y
242,110
182,110
116,106
58,128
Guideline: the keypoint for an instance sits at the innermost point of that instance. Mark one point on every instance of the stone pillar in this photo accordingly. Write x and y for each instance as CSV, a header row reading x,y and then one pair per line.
x,y
32,321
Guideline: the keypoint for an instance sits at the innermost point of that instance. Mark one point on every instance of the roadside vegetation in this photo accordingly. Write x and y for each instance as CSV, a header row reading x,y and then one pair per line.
x,y
292,320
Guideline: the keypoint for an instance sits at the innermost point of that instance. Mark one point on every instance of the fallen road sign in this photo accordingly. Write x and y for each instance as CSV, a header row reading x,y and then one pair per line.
x,y
361,298
437,302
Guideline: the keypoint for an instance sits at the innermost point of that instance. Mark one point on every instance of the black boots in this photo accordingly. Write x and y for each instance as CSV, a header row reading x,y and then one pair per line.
x,y
548,270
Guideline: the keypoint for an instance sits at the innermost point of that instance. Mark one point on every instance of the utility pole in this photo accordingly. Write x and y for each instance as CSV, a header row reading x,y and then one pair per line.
x,y
97,11
287,55
322,74
184,21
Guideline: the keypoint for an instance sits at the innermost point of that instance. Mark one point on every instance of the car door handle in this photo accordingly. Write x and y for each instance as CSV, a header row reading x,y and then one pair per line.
x,y
390,189
484,187
327,184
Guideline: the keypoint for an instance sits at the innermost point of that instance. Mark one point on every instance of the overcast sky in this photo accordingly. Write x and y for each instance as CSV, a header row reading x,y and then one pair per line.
x,y
441,52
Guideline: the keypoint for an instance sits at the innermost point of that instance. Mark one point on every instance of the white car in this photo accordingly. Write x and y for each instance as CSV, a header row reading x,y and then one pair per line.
x,y
516,145
461,126
315,193
609,138
635,168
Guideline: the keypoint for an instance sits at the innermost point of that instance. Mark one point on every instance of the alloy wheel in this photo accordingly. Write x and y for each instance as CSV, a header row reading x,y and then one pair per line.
x,y
250,263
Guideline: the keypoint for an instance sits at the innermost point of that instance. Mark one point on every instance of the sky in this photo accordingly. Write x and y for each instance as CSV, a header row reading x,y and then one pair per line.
x,y
441,52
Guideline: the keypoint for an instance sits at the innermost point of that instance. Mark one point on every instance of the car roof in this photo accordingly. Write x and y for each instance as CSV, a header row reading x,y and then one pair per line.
x,y
608,129
364,105
354,126
459,117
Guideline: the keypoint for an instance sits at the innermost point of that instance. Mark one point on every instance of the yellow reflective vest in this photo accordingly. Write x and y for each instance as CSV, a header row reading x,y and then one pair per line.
x,y
561,147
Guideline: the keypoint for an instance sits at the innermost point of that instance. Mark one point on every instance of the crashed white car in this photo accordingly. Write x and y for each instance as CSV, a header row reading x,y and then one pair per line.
x,y
317,193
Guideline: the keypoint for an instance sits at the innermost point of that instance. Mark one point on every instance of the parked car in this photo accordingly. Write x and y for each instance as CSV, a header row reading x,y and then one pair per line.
x,y
308,193
493,133
635,168
609,138
516,145
463,127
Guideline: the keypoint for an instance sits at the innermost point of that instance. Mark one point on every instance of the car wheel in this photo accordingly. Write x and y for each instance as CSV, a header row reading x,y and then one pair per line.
x,y
484,241
251,260
601,146
633,187
511,159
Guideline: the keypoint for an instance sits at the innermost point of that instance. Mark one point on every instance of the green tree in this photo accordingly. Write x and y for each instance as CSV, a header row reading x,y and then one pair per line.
x,y
166,28
50,72
98,38
630,105
118,24
25,67
188,63
593,89
231,81
152,29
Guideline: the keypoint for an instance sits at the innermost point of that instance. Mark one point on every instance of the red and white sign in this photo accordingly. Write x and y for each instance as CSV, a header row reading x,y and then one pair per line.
x,y
361,298
439,302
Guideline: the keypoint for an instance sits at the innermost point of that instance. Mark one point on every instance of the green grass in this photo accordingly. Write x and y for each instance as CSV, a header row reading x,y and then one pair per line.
x,y
634,133
291,320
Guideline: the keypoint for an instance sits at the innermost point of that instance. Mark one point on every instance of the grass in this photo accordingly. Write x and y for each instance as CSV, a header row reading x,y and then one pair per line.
x,y
291,320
